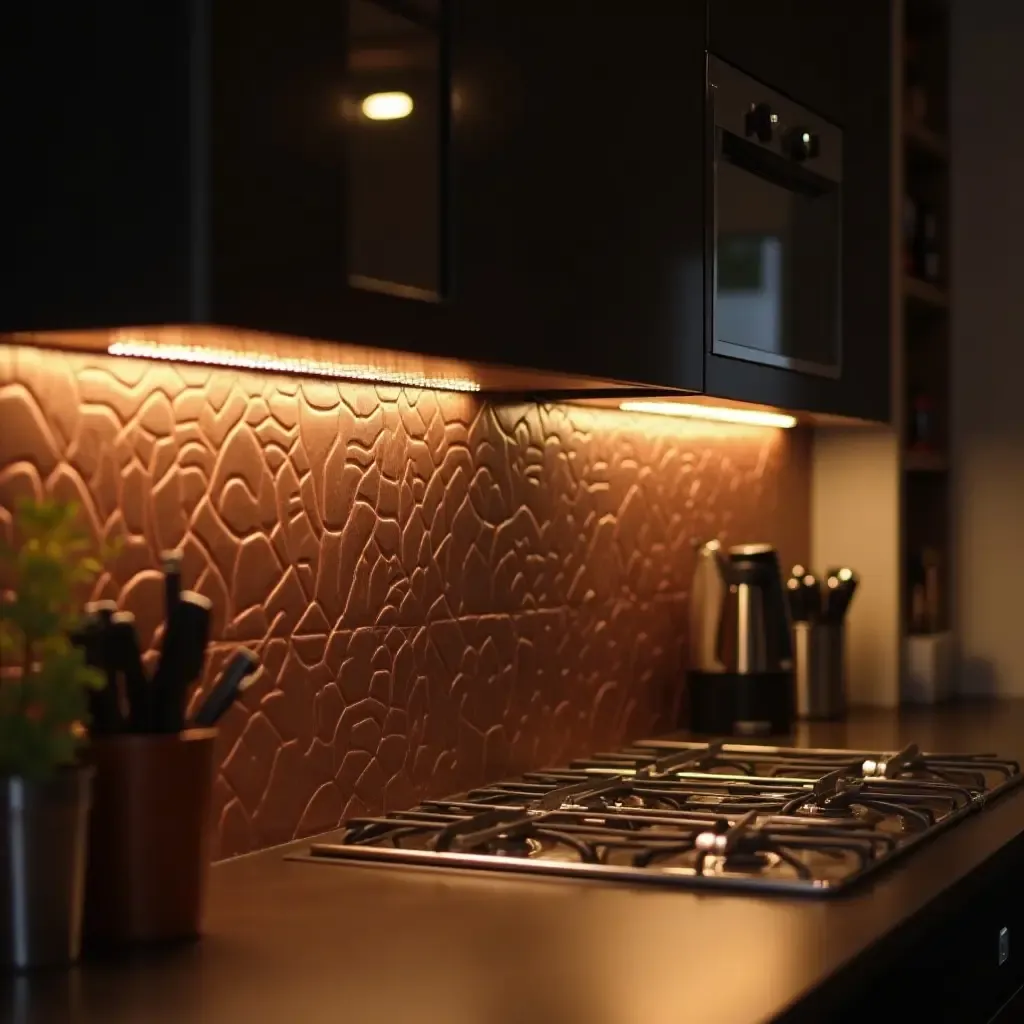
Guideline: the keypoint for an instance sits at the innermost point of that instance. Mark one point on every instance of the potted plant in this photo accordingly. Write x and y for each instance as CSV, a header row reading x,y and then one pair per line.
x,y
45,789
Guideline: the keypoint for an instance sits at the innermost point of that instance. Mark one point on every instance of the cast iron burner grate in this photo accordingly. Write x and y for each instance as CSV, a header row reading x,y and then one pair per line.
x,y
693,815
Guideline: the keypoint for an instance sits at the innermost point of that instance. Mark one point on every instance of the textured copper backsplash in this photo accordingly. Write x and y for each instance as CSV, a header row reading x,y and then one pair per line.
x,y
443,591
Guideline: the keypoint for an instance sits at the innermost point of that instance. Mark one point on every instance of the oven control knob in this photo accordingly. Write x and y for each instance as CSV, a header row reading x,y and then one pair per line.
x,y
761,121
801,144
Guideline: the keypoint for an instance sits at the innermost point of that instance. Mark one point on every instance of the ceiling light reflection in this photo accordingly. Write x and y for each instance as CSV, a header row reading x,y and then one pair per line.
x,y
387,106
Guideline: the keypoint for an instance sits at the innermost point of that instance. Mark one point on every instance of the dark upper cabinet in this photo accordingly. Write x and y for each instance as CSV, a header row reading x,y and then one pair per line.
x,y
796,46
798,260
579,207
327,147
523,184
217,163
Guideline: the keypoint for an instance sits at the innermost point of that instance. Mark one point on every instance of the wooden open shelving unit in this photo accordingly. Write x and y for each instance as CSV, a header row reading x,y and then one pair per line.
x,y
924,293
921,105
881,495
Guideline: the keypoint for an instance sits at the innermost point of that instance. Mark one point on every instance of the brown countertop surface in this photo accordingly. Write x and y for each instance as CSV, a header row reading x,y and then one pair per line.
x,y
318,944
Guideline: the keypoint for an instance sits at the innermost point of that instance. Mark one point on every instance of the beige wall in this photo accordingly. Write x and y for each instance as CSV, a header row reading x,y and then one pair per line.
x,y
988,340
855,521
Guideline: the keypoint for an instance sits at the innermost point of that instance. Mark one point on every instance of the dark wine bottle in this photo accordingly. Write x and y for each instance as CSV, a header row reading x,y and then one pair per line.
x,y
929,258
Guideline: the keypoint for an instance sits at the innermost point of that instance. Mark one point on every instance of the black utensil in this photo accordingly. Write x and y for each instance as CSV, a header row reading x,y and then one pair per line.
x,y
844,591
798,572
102,611
812,597
171,561
126,656
181,660
797,601
832,599
95,640
240,673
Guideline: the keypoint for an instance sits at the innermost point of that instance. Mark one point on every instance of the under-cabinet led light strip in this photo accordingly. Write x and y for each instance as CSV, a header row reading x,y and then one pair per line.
x,y
277,364
718,413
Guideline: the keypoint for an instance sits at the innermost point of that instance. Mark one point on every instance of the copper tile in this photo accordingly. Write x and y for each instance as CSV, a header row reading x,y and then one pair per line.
x,y
442,591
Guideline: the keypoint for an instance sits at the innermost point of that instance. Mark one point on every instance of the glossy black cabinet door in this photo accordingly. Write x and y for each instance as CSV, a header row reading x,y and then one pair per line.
x,y
516,183
540,205
328,181
577,185
213,163
854,35
798,47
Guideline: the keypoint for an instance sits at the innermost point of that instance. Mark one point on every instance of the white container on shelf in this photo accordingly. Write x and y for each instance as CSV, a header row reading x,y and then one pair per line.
x,y
928,668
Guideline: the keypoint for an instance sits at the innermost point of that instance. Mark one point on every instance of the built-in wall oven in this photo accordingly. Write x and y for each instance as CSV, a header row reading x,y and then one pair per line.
x,y
775,226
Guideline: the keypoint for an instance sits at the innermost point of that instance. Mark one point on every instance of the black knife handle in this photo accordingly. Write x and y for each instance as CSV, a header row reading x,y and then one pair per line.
x,y
239,670
171,561
95,641
181,660
127,657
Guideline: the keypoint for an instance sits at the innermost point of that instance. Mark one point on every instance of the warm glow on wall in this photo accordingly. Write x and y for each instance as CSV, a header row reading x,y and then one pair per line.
x,y
717,413
282,364
387,106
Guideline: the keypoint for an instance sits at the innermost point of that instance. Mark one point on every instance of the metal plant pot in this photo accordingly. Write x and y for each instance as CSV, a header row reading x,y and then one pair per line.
x,y
43,837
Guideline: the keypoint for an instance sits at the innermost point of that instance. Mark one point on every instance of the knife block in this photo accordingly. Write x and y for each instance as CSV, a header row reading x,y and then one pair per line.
x,y
149,837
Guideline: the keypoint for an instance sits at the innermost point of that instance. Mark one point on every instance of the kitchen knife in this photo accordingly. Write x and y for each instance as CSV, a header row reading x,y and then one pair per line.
x,y
171,561
240,673
181,660
126,656
798,572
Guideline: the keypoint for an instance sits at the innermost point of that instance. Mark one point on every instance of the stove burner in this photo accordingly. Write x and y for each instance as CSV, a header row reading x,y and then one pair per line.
x,y
633,800
752,862
514,846
694,814
838,796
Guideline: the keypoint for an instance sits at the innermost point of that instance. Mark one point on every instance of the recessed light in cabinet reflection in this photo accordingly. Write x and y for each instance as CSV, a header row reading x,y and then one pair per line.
x,y
387,106
277,364
718,413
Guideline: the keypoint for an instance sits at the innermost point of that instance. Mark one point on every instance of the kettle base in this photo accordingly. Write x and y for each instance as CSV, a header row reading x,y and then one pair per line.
x,y
729,704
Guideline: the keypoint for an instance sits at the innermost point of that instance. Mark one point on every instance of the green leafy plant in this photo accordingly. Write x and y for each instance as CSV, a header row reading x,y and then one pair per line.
x,y
44,682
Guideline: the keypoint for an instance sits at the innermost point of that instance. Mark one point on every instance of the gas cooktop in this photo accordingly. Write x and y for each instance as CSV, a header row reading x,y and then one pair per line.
x,y
693,815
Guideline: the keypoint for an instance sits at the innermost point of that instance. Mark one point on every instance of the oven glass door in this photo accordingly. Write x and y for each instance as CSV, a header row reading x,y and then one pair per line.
x,y
776,236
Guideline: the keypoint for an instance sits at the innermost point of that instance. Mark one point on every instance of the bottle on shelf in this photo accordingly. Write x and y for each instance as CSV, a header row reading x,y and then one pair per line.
x,y
921,433
929,258
909,235
925,591
915,107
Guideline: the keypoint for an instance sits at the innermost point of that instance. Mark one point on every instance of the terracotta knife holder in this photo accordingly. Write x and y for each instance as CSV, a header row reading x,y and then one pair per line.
x,y
149,837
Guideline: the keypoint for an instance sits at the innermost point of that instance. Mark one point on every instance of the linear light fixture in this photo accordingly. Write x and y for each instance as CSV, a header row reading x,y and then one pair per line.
x,y
718,413
281,364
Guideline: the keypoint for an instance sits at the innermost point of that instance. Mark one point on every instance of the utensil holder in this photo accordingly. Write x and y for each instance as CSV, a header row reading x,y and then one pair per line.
x,y
149,840
819,668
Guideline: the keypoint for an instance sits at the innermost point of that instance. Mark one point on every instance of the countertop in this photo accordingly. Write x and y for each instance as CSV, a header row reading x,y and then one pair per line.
x,y
318,944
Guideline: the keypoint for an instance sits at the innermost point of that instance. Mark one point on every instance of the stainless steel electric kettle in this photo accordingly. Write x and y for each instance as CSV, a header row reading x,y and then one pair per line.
x,y
741,676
